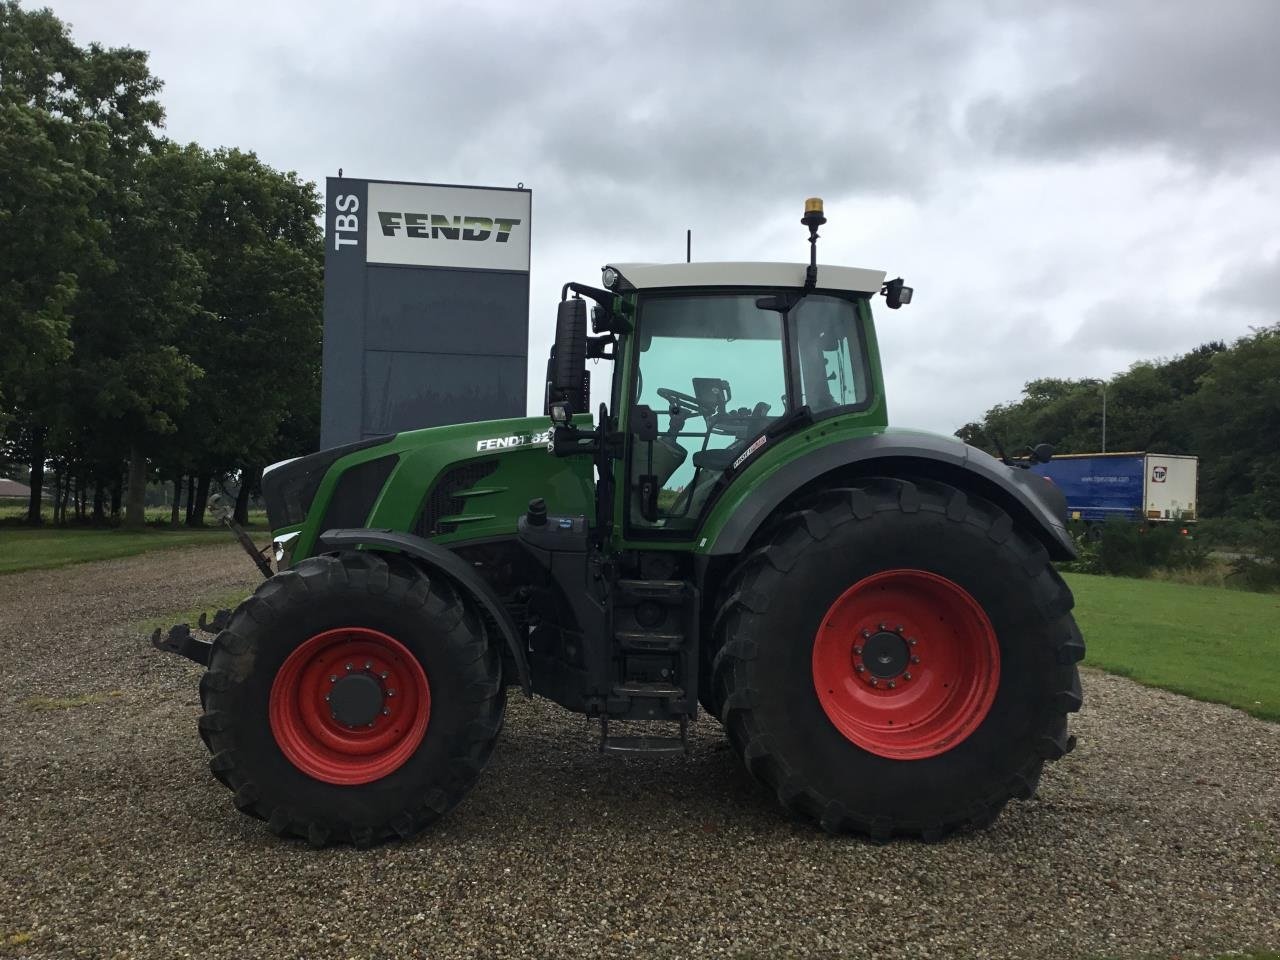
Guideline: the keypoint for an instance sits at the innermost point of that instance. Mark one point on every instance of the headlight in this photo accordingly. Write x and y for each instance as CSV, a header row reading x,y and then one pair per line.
x,y
609,277
282,549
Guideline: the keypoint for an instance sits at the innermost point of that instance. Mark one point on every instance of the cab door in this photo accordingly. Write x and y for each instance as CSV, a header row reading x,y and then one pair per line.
x,y
709,373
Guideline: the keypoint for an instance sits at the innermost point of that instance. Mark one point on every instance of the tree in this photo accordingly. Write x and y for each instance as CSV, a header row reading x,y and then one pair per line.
x,y
1236,414
258,240
47,230
130,379
85,252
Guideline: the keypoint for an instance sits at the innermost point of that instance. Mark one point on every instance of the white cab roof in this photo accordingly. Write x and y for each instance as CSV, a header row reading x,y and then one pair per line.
x,y
647,276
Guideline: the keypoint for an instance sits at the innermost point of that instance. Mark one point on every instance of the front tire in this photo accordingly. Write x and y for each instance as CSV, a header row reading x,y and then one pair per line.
x,y
898,659
351,700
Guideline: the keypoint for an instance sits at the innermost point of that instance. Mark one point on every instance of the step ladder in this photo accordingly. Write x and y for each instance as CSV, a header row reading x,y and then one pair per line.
x,y
646,745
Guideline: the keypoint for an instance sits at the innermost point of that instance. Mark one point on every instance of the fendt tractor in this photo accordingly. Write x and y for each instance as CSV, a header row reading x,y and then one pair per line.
x,y
871,613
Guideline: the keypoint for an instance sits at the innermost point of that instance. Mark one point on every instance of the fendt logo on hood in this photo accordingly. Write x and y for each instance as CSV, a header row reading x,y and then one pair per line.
x,y
435,226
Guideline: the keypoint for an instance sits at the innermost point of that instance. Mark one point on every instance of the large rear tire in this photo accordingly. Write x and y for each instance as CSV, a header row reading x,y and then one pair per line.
x,y
898,659
351,700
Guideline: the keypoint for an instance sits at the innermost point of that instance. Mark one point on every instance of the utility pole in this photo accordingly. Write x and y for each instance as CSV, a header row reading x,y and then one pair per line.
x,y
1103,385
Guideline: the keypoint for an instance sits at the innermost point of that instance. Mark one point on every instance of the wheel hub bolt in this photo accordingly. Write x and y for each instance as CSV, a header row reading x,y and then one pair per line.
x,y
875,682
391,693
348,668
368,665
860,668
880,626
866,634
898,628
858,651
915,659
334,678
907,675
386,712
892,684
911,640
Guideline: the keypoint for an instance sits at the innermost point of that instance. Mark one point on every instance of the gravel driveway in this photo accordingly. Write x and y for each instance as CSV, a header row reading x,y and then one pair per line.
x,y
1159,835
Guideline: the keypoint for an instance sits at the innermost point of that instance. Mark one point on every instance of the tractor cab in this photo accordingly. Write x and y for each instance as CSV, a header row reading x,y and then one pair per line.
x,y
713,362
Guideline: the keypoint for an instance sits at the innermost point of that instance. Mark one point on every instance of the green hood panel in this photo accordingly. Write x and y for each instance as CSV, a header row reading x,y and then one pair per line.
x,y
509,465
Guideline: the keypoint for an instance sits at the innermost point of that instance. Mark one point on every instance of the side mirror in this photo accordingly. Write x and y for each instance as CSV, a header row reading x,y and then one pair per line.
x,y
567,373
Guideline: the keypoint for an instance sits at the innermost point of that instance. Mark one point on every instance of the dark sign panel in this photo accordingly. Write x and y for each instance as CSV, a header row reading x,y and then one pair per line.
x,y
426,306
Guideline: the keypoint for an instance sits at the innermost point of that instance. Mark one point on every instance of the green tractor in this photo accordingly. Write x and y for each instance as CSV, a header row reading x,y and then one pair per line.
x,y
871,613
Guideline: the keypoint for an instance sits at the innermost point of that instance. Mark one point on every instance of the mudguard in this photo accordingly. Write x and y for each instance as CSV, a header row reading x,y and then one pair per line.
x,y
1026,496
452,566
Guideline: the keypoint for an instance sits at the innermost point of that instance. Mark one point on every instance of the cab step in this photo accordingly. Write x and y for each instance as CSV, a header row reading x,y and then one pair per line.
x,y
653,691
644,745
646,642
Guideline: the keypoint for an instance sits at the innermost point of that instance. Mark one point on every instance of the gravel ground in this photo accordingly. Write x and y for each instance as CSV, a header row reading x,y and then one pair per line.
x,y
1159,835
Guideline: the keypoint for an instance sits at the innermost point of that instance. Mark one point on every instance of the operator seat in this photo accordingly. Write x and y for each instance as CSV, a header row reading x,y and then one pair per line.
x,y
668,455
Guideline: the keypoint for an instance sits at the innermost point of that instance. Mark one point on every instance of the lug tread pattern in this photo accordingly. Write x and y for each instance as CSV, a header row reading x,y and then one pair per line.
x,y
394,580
759,573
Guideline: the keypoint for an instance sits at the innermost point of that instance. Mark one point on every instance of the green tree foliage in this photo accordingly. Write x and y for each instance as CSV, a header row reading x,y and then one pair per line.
x,y
47,233
147,291
1219,402
1235,422
258,241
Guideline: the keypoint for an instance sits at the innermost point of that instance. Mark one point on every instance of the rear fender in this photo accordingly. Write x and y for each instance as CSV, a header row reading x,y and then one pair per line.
x,y
1032,502
441,560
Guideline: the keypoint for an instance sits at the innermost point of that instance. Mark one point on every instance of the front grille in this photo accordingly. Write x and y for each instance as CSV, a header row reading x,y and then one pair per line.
x,y
441,500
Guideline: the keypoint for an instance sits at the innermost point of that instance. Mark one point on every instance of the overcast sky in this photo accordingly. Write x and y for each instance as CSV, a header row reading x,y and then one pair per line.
x,y
1071,186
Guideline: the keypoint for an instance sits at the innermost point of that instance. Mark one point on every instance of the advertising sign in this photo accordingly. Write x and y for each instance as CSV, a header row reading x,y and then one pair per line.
x,y
426,306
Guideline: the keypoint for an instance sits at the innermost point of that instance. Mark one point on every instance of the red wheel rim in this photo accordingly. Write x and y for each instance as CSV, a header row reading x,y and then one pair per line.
x,y
394,697
906,664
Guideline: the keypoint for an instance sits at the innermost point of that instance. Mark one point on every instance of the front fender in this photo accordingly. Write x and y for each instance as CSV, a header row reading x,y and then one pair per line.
x,y
1026,496
450,565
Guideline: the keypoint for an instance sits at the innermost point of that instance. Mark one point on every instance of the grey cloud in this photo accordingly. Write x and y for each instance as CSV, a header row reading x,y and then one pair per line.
x,y
1192,79
1253,285
926,125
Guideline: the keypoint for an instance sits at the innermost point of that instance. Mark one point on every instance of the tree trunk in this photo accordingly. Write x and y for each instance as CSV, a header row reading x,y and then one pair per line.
x,y
249,478
201,501
191,499
61,487
99,499
80,492
177,498
135,509
115,496
34,514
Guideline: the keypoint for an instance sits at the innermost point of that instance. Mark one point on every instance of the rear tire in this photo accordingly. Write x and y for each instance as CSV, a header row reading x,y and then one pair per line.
x,y
269,729
986,605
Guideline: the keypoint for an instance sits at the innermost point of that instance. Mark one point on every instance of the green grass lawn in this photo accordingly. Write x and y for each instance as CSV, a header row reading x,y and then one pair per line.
x,y
1212,644
27,548
34,549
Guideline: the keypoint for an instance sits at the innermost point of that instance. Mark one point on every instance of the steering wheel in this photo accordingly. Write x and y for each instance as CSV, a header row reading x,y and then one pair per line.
x,y
685,401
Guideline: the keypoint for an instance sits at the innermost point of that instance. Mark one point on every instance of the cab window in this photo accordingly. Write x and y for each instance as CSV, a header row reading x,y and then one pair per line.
x,y
712,368
830,354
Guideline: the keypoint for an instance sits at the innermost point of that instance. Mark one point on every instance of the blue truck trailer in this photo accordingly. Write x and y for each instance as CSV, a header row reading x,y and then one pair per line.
x,y
1132,486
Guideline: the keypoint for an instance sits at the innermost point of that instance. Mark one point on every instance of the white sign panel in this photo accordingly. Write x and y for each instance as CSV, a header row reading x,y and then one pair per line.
x,y
427,226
